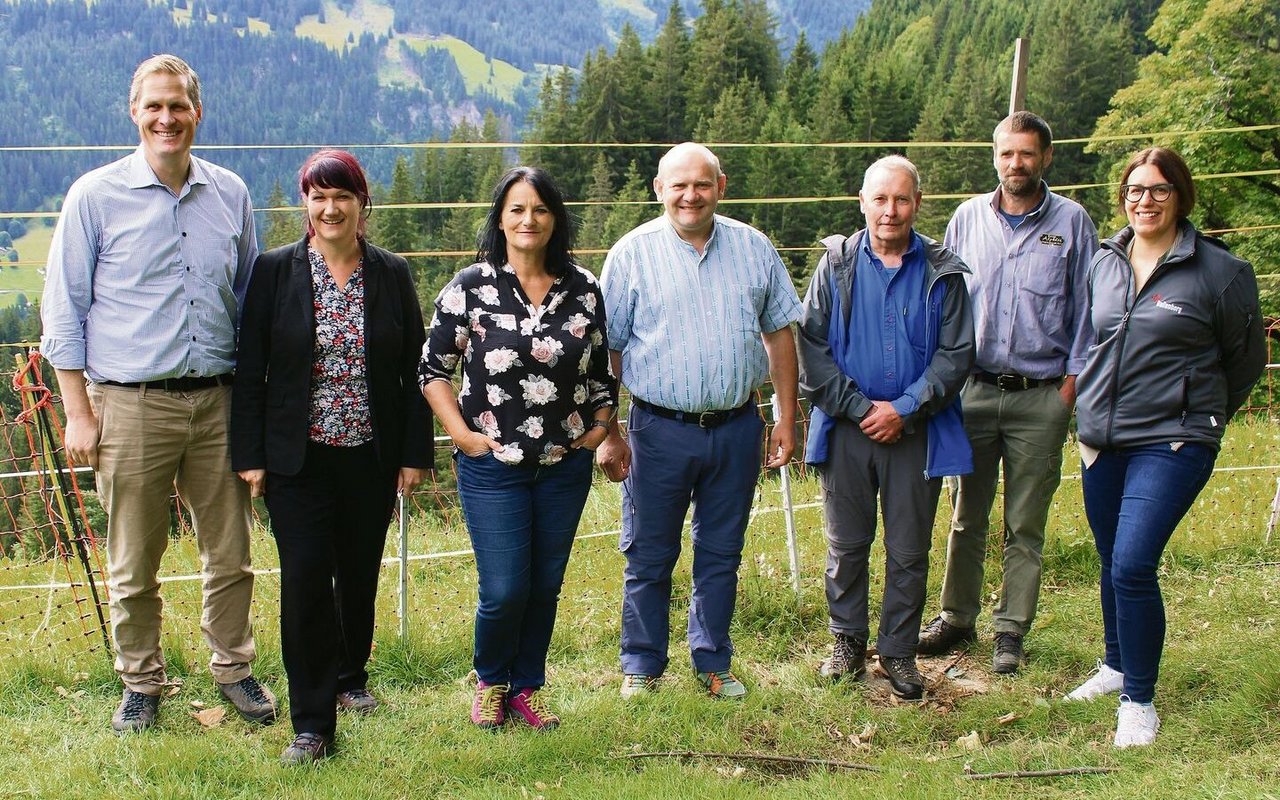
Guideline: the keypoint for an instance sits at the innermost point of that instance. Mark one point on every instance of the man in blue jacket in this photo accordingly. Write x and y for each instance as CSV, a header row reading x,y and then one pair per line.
x,y
886,343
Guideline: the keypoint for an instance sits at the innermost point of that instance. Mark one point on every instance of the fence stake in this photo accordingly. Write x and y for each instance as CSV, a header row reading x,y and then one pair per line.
x,y
404,571
1275,510
789,514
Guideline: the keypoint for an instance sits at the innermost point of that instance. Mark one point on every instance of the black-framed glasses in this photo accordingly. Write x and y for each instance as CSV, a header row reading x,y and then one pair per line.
x,y
1133,192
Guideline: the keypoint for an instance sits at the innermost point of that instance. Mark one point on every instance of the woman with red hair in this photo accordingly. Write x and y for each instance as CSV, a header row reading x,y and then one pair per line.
x,y
327,424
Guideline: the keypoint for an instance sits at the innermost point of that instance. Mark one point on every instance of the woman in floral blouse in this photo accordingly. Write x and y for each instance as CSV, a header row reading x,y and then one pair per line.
x,y
327,421
527,325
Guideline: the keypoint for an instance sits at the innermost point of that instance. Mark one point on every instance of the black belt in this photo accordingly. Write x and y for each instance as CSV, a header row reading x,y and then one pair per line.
x,y
175,384
1010,382
703,419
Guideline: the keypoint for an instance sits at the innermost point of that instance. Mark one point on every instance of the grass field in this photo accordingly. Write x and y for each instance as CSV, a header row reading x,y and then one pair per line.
x,y
25,277
478,72
1218,696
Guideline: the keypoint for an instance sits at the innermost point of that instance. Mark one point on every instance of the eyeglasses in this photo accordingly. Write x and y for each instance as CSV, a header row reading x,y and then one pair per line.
x,y
1133,192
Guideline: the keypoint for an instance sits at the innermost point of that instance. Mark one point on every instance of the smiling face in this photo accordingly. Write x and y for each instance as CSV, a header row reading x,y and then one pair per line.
x,y
334,214
1151,219
690,189
889,200
527,223
166,118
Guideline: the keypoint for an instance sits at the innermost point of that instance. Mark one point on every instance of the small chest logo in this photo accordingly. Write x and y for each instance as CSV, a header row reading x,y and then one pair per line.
x,y
1052,239
1167,306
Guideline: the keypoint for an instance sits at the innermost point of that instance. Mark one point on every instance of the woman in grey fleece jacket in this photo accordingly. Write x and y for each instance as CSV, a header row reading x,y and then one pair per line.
x,y
1179,345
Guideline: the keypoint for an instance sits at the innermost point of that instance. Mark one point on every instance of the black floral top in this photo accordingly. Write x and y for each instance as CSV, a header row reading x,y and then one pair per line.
x,y
532,378
340,413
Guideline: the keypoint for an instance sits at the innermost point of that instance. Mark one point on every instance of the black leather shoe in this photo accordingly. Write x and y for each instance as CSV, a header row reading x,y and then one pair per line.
x,y
136,713
903,676
940,636
848,658
1008,655
306,748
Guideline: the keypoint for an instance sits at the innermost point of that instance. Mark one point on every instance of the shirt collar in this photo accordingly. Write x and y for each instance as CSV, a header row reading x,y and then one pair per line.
x,y
913,249
140,174
1044,200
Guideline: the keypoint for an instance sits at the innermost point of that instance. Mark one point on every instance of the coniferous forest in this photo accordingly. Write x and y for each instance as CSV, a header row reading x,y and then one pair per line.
x,y
921,72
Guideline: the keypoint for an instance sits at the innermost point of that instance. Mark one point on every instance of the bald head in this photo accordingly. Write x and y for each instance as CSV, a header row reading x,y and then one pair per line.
x,y
687,153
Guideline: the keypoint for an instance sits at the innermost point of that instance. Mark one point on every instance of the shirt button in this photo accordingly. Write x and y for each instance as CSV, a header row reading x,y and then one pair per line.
x,y
184,234
193,338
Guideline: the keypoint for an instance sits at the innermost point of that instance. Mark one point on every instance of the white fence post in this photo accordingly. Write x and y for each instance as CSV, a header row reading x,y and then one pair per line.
x,y
788,513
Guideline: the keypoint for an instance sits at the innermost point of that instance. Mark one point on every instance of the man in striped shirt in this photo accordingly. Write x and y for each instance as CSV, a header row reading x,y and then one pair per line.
x,y
699,309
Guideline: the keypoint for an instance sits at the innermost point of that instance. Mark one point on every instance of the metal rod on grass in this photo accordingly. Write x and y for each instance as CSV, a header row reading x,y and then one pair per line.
x,y
788,513
404,571
1275,511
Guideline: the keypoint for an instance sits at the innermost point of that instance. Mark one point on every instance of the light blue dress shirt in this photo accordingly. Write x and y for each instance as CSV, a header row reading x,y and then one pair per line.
x,y
689,325
1028,285
142,284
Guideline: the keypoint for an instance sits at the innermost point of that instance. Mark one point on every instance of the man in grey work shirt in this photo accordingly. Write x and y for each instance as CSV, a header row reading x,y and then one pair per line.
x,y
148,266
1029,250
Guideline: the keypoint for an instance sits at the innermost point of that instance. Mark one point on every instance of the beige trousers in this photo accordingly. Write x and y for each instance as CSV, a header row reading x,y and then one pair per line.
x,y
150,440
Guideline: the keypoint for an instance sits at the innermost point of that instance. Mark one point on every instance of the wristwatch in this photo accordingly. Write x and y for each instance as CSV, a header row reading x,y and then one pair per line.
x,y
598,423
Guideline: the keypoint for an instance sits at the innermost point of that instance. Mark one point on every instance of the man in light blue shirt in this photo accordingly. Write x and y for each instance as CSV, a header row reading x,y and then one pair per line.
x,y
1029,251
699,309
149,263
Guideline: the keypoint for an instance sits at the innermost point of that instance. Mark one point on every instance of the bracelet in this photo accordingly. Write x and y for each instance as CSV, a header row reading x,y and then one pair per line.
x,y
598,423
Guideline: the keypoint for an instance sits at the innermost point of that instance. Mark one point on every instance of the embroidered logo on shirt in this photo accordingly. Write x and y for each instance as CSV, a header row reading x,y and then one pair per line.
x,y
1160,303
1052,239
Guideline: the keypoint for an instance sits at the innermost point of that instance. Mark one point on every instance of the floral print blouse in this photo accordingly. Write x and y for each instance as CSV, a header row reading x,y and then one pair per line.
x,y
340,414
532,377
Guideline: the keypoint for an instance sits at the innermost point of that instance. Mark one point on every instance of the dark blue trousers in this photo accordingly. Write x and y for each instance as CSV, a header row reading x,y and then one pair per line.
x,y
1134,500
672,464
522,520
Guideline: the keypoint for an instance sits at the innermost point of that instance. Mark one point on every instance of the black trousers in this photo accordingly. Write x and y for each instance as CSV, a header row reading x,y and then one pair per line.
x,y
330,525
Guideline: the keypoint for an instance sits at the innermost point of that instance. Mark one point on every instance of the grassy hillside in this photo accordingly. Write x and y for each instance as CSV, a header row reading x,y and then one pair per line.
x,y
1219,690
26,277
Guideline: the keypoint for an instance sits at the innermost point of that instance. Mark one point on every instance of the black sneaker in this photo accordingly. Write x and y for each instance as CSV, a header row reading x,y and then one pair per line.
x,y
940,636
1008,655
306,748
136,713
251,699
848,658
903,676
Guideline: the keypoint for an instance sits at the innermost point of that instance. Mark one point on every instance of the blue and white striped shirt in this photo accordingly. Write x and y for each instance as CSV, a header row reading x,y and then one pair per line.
x,y
689,326
142,284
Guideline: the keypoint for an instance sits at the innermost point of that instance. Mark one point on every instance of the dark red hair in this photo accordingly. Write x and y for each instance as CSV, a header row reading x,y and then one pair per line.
x,y
336,169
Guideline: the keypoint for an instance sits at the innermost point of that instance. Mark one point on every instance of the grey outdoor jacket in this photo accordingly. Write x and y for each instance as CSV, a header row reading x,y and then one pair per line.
x,y
1172,362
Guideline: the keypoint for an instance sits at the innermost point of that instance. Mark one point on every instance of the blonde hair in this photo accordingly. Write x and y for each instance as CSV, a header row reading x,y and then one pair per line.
x,y
168,65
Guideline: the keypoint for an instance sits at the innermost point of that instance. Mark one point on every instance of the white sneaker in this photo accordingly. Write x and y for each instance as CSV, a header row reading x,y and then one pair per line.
x,y
1104,681
1136,724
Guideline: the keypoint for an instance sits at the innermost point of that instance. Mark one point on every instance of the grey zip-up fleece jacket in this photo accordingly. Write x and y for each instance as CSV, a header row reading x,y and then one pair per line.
x,y
1172,362
822,382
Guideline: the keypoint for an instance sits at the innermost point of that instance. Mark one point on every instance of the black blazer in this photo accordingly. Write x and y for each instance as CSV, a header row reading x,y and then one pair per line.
x,y
271,396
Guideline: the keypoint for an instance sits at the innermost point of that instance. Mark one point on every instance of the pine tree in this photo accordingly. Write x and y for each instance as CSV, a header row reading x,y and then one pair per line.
x,y
283,227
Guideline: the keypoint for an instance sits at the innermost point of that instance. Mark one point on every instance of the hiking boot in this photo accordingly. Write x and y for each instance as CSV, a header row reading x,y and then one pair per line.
x,y
1104,681
722,685
940,636
488,709
359,701
848,657
1136,724
136,713
527,706
251,699
1008,656
635,684
903,676
306,748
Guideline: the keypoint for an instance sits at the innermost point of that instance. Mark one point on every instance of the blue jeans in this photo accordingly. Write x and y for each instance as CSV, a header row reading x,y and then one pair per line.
x,y
522,520
1134,499
673,463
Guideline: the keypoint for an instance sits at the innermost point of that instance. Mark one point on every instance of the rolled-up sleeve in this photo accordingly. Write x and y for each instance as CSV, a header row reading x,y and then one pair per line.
x,y
68,286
